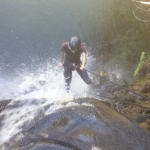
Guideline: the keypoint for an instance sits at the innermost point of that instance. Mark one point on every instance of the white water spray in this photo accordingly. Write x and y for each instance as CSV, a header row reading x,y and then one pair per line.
x,y
32,92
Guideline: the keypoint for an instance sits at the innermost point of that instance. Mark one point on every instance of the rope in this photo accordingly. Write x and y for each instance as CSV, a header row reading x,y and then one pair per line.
x,y
121,101
119,85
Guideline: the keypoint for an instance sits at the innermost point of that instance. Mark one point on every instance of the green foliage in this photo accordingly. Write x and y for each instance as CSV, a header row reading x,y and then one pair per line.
x,y
140,64
122,38
143,80
125,53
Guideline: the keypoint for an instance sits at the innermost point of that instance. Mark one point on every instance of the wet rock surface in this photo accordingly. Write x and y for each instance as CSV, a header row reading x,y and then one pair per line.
x,y
88,124
145,70
133,101
119,123
145,88
3,104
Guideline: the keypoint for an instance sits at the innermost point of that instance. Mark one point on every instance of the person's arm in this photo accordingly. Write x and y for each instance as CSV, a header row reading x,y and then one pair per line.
x,y
84,60
62,55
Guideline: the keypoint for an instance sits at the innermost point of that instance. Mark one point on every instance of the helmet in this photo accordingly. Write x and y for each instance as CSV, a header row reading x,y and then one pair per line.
x,y
74,42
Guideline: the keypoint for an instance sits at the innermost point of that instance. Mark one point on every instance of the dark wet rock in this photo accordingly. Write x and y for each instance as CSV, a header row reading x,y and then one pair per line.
x,y
142,119
145,70
128,101
146,88
3,104
146,124
90,124
122,97
147,112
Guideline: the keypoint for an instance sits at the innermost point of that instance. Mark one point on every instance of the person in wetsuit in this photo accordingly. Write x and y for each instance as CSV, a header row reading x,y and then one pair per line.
x,y
70,53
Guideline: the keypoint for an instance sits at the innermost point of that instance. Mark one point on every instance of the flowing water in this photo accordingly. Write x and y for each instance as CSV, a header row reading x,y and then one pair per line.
x,y
31,33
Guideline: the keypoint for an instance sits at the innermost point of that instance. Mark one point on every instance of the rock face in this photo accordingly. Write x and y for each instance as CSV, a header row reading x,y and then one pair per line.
x,y
86,125
145,88
3,104
145,70
133,101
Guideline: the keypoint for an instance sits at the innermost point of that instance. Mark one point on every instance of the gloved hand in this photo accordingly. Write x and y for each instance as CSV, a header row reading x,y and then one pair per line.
x,y
73,67
76,67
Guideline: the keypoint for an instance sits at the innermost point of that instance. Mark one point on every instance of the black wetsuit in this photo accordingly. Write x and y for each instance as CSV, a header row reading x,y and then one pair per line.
x,y
72,62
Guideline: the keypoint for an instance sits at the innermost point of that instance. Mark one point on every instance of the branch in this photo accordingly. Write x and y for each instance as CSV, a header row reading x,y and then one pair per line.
x,y
139,18
139,7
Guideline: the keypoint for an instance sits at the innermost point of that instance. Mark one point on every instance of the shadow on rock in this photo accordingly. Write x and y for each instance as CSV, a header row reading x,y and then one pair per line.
x,y
3,104
87,125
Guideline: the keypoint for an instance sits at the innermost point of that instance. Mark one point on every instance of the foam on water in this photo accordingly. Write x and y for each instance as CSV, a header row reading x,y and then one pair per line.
x,y
31,92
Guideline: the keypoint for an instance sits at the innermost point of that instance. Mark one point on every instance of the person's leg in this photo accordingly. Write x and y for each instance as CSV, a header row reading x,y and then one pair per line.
x,y
67,76
84,76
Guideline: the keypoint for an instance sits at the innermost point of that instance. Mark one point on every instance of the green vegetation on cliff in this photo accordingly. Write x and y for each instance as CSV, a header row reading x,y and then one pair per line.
x,y
123,36
141,63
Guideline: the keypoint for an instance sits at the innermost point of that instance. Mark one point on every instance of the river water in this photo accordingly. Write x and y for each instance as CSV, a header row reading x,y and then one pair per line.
x,y
31,33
